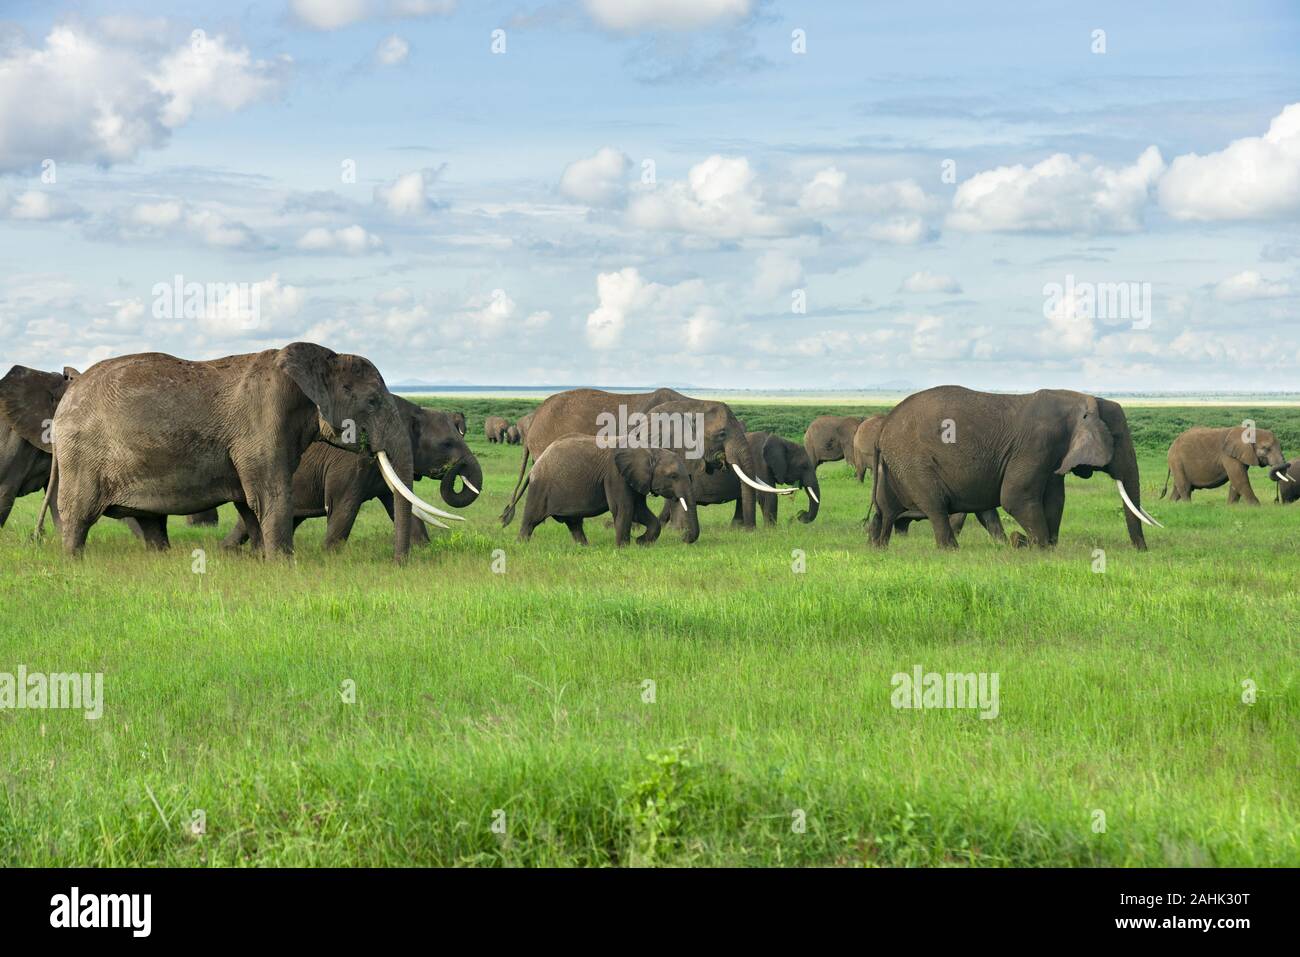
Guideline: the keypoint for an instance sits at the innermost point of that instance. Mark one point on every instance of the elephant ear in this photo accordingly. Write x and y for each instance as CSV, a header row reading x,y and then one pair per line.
x,y
1091,444
1235,446
28,399
311,368
637,468
777,458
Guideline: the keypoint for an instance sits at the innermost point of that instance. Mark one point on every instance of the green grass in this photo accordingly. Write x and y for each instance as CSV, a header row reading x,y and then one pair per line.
x,y
523,691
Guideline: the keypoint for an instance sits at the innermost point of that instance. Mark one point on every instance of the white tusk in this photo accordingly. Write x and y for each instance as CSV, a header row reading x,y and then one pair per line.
x,y
1137,512
425,517
469,485
398,488
813,495
1284,476
759,485
685,508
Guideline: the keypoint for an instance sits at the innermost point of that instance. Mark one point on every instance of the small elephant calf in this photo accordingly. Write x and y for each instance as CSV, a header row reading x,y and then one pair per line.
x,y
577,478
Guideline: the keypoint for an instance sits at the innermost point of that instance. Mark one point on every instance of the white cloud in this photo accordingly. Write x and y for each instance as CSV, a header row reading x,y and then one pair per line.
x,y
900,230
1257,177
632,15
85,96
537,320
1070,326
937,339
829,192
38,205
777,273
1060,194
721,198
172,219
333,14
408,195
625,297
492,314
392,50
1247,286
348,240
264,308
598,180
928,282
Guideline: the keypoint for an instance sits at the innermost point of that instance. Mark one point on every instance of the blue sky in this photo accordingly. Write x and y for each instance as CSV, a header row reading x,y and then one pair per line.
x,y
639,192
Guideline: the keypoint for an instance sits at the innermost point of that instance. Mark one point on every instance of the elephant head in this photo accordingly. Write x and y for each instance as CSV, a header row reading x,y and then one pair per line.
x,y
1288,481
1265,450
661,472
358,413
457,421
1099,439
513,436
709,431
788,462
28,400
440,453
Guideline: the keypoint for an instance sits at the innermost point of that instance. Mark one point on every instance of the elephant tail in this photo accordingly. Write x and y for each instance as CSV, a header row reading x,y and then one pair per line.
x,y
521,485
876,479
50,491
1168,472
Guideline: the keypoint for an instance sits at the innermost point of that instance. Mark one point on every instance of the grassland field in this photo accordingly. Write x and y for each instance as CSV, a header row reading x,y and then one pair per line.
x,y
502,717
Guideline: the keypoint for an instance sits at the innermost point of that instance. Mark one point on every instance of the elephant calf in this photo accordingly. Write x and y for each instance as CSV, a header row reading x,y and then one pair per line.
x,y
776,460
577,478
1207,458
830,438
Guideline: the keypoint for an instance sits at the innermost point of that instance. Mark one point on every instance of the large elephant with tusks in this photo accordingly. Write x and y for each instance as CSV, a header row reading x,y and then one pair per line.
x,y
654,419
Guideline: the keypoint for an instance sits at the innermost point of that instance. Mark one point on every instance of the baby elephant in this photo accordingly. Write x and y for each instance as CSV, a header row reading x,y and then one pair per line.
x,y
1207,458
575,478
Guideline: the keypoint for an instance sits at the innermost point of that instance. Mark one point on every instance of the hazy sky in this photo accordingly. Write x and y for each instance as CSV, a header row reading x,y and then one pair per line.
x,y
720,193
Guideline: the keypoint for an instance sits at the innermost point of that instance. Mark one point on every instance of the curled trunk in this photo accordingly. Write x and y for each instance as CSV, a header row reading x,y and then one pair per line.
x,y
814,493
467,468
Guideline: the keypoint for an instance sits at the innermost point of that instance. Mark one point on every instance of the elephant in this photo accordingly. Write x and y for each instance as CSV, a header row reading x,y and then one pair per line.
x,y
1207,458
579,477
830,438
864,445
208,518
495,427
150,435
951,449
28,399
335,483
513,436
777,460
658,418
457,419
522,425
1288,488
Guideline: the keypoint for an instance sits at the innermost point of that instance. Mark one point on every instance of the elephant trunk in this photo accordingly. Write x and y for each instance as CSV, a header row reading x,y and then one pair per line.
x,y
692,520
741,455
814,492
471,476
393,441
1124,470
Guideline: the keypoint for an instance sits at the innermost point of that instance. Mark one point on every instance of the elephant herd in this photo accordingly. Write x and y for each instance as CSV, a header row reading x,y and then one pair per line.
x,y
304,432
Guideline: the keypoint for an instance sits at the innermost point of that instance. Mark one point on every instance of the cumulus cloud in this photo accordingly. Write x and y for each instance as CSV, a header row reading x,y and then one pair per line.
x,y
777,273
721,198
1257,177
901,231
172,220
392,50
829,191
628,16
936,338
408,195
348,240
334,14
625,297
98,96
1071,328
38,205
255,309
1060,194
598,180
1247,286
928,282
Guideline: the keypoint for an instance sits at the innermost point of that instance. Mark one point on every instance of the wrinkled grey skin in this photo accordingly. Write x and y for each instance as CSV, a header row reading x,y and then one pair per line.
x,y
864,450
829,438
513,435
1207,458
575,478
333,483
149,435
28,400
778,460
495,428
1012,451
580,410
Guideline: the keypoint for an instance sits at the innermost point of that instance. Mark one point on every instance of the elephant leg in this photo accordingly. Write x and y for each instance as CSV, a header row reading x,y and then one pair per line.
x,y
534,513
208,517
272,503
943,534
153,530
1054,507
958,521
622,512
342,516
642,514
1182,486
1233,496
77,519
666,513
738,518
901,525
575,529
238,535
992,524
252,531
1029,513
7,497
1240,483
768,502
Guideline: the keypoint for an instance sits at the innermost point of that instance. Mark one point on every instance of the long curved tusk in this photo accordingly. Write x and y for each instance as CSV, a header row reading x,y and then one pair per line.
x,y
813,495
1137,512
469,485
685,507
396,484
1285,477
425,517
759,485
